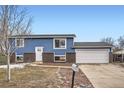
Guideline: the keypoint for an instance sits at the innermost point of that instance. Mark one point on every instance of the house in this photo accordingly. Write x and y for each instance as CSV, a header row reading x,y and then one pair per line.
x,y
59,48
118,56
44,48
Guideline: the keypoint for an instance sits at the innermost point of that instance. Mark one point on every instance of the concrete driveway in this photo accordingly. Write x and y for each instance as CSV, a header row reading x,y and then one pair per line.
x,y
105,75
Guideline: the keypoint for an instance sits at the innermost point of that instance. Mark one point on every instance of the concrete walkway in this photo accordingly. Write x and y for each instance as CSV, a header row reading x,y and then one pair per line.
x,y
105,75
21,65
50,66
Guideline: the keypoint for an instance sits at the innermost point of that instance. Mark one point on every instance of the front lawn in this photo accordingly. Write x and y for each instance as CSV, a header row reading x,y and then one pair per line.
x,y
42,77
3,59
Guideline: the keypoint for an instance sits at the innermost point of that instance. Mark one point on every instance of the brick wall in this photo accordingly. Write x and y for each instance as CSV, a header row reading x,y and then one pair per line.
x,y
13,58
29,57
48,57
70,57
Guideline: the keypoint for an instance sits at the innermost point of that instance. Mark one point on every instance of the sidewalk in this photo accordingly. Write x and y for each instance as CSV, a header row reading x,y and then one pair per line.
x,y
21,65
42,65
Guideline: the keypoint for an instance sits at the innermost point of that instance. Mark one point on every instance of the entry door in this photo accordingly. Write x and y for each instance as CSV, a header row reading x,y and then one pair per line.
x,y
38,52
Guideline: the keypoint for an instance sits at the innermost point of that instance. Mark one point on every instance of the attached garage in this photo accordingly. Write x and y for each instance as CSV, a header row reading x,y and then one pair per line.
x,y
92,52
92,55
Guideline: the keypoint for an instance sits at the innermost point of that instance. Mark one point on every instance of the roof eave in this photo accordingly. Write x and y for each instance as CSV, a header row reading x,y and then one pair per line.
x,y
44,37
79,47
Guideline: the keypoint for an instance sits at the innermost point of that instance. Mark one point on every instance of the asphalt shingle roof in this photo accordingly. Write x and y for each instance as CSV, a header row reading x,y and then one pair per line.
x,y
91,44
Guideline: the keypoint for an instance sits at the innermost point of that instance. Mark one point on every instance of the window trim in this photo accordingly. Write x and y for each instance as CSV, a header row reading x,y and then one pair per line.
x,y
19,55
60,55
59,39
16,43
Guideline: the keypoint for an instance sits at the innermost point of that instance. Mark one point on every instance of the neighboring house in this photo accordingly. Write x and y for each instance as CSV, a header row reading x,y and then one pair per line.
x,y
59,48
118,56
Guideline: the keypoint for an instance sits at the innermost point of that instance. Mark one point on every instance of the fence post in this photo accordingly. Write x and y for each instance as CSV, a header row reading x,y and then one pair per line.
x,y
110,57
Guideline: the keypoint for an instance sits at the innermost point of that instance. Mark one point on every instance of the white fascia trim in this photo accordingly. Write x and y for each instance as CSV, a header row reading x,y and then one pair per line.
x,y
90,46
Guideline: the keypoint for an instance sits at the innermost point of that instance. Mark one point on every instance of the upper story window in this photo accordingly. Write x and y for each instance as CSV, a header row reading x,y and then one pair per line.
x,y
59,43
19,42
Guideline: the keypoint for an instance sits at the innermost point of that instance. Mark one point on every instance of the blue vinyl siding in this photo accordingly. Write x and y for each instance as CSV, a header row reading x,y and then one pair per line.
x,y
30,44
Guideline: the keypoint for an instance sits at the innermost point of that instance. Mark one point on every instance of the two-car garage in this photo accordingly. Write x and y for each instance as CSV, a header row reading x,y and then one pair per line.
x,y
92,52
92,55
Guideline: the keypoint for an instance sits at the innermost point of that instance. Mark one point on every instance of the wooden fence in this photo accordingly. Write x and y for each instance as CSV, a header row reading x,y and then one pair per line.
x,y
118,57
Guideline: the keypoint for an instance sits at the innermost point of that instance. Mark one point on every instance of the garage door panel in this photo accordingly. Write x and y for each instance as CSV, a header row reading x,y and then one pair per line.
x,y
93,56
92,61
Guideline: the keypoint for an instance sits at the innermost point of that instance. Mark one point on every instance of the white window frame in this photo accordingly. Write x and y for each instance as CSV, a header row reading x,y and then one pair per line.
x,y
60,56
60,39
16,43
20,56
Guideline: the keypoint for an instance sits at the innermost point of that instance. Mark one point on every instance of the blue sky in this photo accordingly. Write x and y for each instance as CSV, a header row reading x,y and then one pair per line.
x,y
89,23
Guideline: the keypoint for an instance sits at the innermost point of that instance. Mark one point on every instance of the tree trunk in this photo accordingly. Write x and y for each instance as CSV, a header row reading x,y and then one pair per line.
x,y
8,68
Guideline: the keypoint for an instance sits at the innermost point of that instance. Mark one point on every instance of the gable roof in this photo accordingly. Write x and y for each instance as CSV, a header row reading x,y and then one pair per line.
x,y
45,36
91,45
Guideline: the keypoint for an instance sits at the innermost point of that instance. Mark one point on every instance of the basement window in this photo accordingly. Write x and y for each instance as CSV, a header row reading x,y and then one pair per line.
x,y
19,58
60,58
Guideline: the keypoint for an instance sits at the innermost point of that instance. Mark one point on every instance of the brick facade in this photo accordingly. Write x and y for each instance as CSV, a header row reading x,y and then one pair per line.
x,y
29,57
48,57
13,58
71,57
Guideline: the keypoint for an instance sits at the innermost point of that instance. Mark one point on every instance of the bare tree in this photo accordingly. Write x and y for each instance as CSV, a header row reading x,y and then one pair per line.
x,y
121,42
109,40
13,21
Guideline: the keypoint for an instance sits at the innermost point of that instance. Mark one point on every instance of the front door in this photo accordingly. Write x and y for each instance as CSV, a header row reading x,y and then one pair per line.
x,y
38,52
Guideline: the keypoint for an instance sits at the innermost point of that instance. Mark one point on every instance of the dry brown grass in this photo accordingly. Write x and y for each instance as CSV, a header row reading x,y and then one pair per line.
x,y
30,77
3,59
41,77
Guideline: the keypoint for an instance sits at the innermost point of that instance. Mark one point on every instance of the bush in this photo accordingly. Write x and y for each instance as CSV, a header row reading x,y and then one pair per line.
x,y
3,59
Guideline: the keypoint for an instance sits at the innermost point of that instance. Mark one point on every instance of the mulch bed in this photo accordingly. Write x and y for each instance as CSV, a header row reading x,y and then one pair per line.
x,y
80,79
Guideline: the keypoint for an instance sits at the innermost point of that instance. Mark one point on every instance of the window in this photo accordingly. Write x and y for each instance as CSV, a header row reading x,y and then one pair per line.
x,y
39,49
19,58
60,43
60,58
19,42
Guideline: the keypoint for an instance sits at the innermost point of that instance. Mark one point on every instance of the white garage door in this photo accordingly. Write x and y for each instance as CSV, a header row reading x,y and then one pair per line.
x,y
92,55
